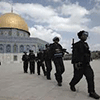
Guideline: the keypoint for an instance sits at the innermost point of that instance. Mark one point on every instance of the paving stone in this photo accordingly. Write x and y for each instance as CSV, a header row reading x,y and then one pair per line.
x,y
16,85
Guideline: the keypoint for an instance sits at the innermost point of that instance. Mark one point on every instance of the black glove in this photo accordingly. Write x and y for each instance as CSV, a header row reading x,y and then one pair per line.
x,y
78,65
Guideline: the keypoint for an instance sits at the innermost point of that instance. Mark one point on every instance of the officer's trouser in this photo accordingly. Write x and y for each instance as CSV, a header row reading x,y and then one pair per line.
x,y
32,67
49,68
89,74
40,64
25,66
59,68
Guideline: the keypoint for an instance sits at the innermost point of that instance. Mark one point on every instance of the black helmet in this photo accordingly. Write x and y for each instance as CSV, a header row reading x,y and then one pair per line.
x,y
56,38
82,32
24,52
40,49
30,50
47,45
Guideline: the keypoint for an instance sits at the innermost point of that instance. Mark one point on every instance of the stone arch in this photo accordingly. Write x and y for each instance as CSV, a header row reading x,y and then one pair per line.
x,y
10,33
34,48
15,48
21,48
27,48
8,48
1,48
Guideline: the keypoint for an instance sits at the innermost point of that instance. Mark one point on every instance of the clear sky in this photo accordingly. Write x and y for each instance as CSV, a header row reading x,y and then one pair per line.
x,y
63,18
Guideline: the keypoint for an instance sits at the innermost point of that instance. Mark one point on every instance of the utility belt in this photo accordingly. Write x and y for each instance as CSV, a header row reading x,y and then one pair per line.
x,y
58,55
31,60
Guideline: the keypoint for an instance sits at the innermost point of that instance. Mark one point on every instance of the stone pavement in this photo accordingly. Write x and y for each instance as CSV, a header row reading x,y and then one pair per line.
x,y
16,85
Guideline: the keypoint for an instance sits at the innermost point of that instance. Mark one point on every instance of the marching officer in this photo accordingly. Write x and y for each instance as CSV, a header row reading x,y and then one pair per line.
x,y
81,57
47,58
32,61
40,62
25,62
57,54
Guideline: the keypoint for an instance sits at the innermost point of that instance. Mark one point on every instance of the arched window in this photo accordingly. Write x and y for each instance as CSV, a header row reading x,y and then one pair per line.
x,y
8,48
21,48
1,48
1,33
17,33
27,48
10,33
34,48
15,48
5,33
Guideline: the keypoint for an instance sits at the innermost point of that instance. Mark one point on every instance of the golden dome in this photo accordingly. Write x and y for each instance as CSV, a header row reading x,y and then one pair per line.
x,y
12,20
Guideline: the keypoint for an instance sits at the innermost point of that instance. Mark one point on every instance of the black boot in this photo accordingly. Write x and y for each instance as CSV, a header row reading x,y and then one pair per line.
x,y
48,78
94,95
72,88
59,84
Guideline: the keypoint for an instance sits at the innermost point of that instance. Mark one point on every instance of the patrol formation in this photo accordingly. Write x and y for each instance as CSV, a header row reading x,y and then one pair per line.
x,y
81,57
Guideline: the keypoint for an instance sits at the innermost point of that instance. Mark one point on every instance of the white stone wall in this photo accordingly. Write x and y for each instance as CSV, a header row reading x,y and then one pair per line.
x,y
9,58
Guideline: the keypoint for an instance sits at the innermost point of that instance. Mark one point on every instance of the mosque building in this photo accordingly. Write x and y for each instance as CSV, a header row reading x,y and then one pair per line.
x,y
15,38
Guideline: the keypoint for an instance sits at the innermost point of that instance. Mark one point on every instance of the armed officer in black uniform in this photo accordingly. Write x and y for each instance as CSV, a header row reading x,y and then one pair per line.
x,y
81,57
25,62
57,54
40,62
47,59
32,61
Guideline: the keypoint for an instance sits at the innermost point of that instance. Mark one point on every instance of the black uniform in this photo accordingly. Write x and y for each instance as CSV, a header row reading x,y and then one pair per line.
x,y
48,63
81,57
25,62
57,54
40,63
82,54
32,62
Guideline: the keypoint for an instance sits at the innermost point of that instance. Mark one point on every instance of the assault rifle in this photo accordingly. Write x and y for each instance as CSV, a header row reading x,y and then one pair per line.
x,y
65,51
73,43
72,50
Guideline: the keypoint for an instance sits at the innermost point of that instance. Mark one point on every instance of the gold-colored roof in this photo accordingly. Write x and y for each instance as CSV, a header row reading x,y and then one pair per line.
x,y
12,20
